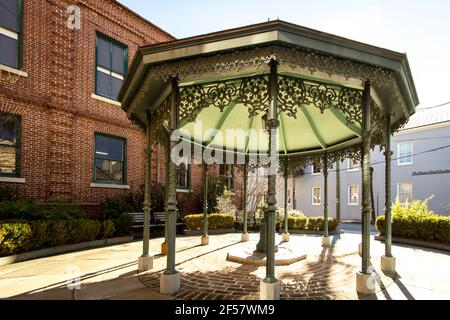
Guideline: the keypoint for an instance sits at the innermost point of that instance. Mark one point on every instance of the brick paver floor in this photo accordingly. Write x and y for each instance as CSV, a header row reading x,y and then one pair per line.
x,y
327,273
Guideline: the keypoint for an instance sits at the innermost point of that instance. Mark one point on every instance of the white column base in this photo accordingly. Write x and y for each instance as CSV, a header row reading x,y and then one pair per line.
x,y
360,249
145,263
285,237
205,240
269,291
326,241
388,264
365,283
169,283
244,237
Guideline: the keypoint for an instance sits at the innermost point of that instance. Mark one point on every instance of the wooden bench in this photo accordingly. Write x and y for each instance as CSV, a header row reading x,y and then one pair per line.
x,y
157,222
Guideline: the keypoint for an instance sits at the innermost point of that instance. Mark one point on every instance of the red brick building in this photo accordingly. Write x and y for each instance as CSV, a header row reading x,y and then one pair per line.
x,y
63,134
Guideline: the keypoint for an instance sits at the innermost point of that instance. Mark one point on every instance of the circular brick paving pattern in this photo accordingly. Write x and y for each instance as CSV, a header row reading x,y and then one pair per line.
x,y
322,276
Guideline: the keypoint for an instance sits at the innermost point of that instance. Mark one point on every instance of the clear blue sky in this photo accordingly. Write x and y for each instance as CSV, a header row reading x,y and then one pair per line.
x,y
421,28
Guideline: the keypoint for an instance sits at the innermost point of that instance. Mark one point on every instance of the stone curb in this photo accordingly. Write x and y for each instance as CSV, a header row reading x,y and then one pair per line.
x,y
62,249
418,243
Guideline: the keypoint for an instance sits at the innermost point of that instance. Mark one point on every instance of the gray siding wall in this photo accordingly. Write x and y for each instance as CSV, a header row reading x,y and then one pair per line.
x,y
423,186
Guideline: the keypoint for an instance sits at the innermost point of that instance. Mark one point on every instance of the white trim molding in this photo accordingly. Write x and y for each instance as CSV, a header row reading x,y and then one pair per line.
x,y
315,173
184,190
109,186
312,196
12,179
110,101
411,153
13,71
349,195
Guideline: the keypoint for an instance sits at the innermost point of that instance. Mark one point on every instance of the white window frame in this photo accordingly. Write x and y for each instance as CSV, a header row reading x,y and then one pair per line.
x,y
315,173
398,154
312,196
349,195
398,190
349,169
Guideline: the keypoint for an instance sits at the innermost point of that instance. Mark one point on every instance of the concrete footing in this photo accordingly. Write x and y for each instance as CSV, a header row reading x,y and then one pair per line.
x,y
365,283
164,248
204,240
244,237
145,263
269,291
388,264
169,283
326,241
285,237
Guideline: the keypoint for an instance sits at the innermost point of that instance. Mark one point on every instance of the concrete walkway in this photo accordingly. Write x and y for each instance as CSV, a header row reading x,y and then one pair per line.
x,y
110,273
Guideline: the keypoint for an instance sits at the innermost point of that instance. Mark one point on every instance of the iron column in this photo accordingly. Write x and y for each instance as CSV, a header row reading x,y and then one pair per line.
x,y
387,214
172,187
272,124
147,199
338,191
366,203
325,195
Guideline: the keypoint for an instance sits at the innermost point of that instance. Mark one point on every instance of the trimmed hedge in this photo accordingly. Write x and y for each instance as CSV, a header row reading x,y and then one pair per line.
x,y
215,221
311,223
431,228
22,236
416,221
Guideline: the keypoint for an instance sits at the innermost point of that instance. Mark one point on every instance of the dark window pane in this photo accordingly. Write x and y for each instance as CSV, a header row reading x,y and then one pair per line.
x,y
118,59
7,160
116,84
8,129
9,14
106,170
8,51
109,159
103,53
103,83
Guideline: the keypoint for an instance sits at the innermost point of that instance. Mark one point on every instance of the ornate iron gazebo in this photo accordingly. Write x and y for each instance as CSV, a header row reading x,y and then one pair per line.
x,y
320,99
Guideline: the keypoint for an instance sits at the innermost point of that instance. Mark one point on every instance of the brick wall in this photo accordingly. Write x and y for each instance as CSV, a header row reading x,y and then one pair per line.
x,y
59,115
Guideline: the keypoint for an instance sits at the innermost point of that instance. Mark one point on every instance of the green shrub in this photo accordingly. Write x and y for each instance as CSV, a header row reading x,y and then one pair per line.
x,y
317,223
297,222
123,225
108,229
24,209
416,221
215,221
22,236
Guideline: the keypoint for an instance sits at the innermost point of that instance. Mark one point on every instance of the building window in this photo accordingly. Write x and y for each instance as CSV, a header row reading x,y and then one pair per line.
x,y
111,67
109,159
9,144
404,191
10,32
353,165
226,172
353,195
405,150
315,196
183,176
315,170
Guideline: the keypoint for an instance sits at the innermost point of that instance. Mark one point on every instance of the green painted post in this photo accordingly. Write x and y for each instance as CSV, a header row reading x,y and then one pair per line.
x,y
286,177
325,194
272,124
147,199
387,214
338,191
205,199
366,203
172,187
245,196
